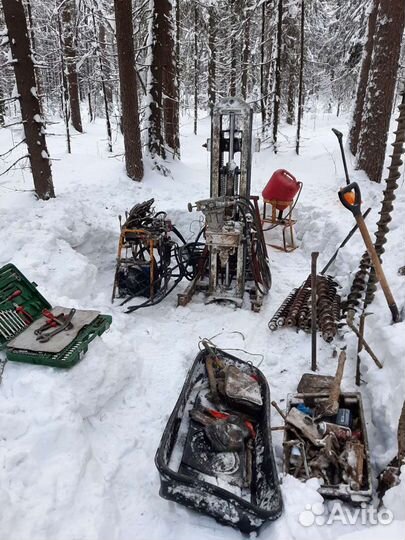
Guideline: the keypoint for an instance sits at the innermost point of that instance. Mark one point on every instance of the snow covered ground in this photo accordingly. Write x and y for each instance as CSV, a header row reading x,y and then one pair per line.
x,y
77,447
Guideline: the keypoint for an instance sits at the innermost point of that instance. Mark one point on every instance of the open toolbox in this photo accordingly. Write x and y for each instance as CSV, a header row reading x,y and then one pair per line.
x,y
21,316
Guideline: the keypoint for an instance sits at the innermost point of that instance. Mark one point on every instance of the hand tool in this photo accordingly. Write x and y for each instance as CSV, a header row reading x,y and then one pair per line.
x,y
15,320
52,318
51,322
66,325
339,136
5,332
314,257
15,317
6,323
11,297
24,315
355,209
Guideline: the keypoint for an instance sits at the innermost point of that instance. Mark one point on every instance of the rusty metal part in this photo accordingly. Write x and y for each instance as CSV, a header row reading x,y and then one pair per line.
x,y
359,284
352,461
282,311
300,300
296,309
360,347
314,293
326,293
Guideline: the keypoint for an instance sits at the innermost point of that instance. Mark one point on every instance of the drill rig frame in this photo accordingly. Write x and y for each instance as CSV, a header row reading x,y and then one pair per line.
x,y
235,251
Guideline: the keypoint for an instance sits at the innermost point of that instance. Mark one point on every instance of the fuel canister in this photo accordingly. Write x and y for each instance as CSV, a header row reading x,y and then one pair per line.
x,y
282,187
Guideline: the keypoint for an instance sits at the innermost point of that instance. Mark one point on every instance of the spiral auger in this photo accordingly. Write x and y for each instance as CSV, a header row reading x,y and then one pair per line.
x,y
360,284
389,197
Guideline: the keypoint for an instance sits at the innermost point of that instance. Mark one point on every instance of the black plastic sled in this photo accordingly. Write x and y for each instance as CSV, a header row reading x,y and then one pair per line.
x,y
216,453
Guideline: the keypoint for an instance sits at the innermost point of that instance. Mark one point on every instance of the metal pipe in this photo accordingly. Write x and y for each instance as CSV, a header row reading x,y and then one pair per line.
x,y
314,256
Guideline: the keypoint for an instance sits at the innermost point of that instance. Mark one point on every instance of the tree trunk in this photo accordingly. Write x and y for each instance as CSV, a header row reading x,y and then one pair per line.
x,y
277,84
128,89
263,86
291,57
104,63
381,87
33,49
106,88
2,107
170,87
212,33
362,82
232,84
155,132
246,54
301,78
69,49
30,109
64,89
195,68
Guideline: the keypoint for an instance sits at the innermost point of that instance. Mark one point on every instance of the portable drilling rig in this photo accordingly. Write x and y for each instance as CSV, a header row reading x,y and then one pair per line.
x,y
235,258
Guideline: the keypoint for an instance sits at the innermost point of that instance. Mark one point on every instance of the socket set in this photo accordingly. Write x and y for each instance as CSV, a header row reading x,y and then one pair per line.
x,y
21,304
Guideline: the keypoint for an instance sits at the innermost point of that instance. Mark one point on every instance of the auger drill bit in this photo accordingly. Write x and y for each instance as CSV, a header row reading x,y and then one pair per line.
x,y
359,284
326,293
278,318
389,197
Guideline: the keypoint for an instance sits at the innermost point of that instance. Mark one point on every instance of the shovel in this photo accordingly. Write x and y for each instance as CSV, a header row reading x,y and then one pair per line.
x,y
355,209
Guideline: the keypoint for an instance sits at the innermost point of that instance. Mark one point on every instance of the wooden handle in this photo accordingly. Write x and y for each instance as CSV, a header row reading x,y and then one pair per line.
x,y
335,390
378,268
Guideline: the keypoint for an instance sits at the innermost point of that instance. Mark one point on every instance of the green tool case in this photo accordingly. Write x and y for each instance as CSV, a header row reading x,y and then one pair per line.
x,y
28,304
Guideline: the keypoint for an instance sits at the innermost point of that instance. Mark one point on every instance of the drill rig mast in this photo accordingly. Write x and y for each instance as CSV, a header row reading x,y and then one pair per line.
x,y
235,253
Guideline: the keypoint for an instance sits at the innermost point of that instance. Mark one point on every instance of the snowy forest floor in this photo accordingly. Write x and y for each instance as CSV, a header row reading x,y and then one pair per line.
x,y
77,446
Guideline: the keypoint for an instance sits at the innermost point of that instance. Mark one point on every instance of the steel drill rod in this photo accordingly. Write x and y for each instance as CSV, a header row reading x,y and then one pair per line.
x,y
314,257
360,347
351,233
